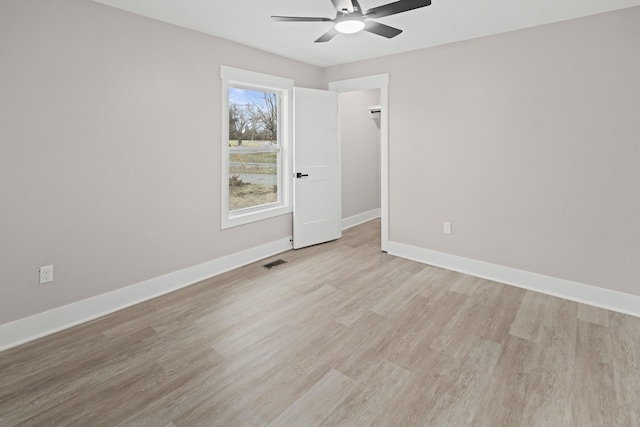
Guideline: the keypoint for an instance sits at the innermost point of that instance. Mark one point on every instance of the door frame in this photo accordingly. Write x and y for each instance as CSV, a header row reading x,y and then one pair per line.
x,y
378,81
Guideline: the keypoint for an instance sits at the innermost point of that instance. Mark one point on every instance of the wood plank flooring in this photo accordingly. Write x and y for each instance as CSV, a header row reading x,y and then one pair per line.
x,y
340,335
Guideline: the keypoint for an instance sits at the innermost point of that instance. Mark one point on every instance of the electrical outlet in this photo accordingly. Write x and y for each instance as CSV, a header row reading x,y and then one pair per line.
x,y
46,274
447,228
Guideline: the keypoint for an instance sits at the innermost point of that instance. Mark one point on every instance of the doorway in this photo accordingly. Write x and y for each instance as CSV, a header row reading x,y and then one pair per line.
x,y
379,85
360,155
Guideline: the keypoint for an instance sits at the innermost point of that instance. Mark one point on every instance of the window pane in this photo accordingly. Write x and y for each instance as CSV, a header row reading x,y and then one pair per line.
x,y
253,117
253,179
253,123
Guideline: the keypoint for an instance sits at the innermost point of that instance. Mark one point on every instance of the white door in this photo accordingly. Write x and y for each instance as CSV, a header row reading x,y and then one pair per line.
x,y
317,197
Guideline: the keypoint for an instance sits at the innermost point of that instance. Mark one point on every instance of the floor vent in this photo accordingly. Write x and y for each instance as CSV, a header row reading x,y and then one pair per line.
x,y
274,263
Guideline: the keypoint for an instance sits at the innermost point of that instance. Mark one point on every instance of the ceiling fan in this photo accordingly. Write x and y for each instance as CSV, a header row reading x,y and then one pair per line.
x,y
351,19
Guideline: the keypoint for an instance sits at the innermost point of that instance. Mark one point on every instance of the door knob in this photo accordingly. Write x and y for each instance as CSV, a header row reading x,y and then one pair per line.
x,y
300,174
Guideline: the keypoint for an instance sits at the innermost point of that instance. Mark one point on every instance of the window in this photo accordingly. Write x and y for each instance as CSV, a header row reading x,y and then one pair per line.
x,y
256,133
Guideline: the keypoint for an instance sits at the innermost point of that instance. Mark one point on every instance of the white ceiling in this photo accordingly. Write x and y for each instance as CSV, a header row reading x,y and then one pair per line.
x,y
445,21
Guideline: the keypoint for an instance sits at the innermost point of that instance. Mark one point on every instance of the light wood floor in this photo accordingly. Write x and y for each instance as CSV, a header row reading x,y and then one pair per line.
x,y
341,334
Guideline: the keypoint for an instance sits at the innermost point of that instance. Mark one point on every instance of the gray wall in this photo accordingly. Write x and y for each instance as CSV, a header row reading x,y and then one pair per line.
x,y
360,139
528,142
110,150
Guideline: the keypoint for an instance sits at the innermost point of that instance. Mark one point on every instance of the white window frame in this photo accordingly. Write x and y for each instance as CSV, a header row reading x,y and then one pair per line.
x,y
244,78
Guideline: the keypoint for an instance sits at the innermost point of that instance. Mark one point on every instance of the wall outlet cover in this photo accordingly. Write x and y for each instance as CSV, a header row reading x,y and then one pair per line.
x,y
447,228
46,274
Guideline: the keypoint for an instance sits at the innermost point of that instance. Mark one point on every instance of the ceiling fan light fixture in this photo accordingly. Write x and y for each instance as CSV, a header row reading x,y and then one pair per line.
x,y
349,26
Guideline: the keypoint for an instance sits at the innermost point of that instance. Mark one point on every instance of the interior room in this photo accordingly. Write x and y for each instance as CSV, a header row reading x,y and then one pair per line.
x,y
479,259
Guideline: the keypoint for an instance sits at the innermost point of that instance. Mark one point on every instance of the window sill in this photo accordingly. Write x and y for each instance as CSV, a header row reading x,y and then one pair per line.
x,y
241,218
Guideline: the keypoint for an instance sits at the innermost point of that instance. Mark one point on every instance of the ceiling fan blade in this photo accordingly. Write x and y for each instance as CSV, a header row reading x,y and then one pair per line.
x,y
396,7
341,5
327,36
299,19
381,29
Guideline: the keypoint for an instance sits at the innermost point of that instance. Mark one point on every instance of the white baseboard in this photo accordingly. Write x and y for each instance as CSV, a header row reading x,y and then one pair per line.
x,y
39,325
352,221
49,322
574,291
